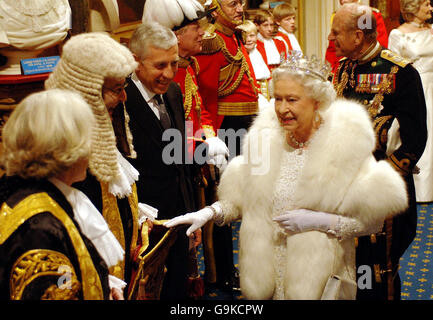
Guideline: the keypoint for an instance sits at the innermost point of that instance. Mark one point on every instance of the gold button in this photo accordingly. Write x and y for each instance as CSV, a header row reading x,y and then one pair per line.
x,y
365,102
374,63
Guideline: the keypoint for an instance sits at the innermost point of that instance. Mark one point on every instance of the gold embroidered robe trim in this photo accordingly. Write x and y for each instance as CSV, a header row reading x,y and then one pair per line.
x,y
12,218
111,214
152,260
133,203
39,263
56,293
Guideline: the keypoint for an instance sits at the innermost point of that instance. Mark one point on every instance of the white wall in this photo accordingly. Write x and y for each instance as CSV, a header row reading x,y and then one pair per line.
x,y
316,24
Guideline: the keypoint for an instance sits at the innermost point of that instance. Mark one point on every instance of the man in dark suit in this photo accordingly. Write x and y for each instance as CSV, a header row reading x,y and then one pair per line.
x,y
154,106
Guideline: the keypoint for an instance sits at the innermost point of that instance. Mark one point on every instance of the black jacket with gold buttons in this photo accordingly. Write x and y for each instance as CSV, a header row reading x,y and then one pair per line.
x,y
391,89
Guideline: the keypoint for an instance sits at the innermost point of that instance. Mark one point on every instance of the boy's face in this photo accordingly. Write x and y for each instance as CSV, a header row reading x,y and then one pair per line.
x,y
250,41
288,23
266,29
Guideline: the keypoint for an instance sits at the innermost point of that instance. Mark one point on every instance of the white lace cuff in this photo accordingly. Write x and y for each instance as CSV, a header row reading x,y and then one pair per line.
x,y
222,210
347,228
115,282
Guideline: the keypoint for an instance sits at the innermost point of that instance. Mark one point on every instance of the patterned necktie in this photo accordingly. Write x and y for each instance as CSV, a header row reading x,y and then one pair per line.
x,y
163,115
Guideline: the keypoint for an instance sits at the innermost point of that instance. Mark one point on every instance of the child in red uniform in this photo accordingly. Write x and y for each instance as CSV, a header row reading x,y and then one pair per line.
x,y
285,18
258,59
273,49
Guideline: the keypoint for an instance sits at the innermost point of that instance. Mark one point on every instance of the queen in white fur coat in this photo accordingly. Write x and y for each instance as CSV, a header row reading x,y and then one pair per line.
x,y
335,176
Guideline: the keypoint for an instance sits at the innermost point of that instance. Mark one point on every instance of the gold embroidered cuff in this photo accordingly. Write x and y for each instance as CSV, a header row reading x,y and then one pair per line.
x,y
402,166
38,263
208,131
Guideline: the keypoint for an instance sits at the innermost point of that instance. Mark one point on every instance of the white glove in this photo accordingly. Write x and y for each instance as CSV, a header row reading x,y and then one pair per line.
x,y
301,220
218,152
195,219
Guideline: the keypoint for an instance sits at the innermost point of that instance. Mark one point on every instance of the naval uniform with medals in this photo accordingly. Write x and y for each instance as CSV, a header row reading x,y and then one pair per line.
x,y
390,89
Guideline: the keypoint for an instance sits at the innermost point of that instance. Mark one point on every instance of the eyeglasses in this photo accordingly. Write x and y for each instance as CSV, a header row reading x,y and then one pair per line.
x,y
235,4
117,91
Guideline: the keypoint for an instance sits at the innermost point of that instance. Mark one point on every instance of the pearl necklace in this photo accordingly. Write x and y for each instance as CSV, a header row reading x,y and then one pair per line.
x,y
298,145
301,145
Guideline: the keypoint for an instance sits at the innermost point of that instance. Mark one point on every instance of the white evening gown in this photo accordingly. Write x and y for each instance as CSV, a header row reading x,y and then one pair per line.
x,y
418,47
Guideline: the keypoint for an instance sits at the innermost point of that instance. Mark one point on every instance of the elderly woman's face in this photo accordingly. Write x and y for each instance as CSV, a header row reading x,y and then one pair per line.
x,y
425,11
295,109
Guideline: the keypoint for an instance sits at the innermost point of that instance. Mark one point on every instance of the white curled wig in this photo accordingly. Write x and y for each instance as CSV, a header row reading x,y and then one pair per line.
x,y
87,60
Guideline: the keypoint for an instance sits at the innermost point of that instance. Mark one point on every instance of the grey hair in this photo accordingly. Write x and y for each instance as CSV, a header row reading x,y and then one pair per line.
x,y
319,90
151,34
33,149
361,18
409,8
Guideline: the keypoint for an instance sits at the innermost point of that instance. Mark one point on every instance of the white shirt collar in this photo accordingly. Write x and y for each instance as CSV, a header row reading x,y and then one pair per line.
x,y
282,30
146,93
293,41
272,53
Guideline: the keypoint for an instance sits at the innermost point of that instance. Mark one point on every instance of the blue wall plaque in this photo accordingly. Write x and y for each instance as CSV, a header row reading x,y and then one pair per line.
x,y
39,65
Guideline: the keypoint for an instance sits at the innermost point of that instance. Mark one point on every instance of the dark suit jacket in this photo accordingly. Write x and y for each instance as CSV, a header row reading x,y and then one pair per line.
x,y
167,187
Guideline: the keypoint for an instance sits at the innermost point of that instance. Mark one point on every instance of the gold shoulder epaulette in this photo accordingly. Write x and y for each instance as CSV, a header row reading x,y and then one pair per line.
x,y
394,58
342,59
209,30
211,44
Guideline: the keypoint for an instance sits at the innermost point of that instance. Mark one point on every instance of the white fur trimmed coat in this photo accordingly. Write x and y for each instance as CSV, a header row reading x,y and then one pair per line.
x,y
340,175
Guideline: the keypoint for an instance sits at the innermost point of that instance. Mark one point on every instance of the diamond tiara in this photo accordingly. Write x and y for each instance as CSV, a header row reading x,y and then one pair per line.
x,y
310,66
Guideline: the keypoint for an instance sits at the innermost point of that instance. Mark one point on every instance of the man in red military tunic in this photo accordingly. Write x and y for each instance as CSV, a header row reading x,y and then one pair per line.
x,y
226,81
227,85
382,36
